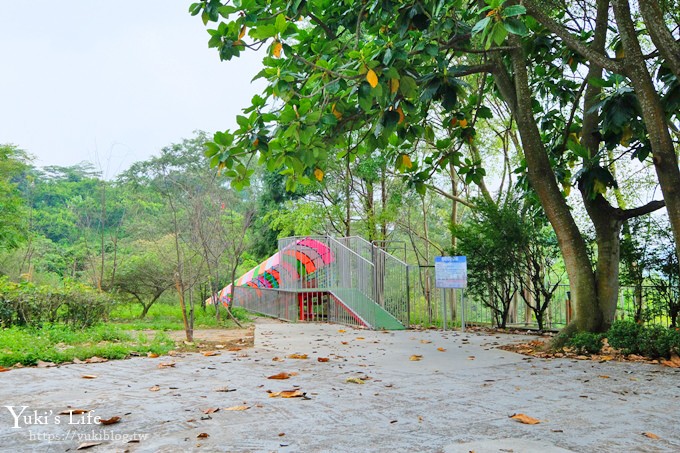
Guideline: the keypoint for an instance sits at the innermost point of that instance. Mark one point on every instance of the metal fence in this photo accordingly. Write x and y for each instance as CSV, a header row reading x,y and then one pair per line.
x,y
271,302
441,308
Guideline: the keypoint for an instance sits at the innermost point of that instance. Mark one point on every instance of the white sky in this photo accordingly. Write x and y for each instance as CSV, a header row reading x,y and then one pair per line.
x,y
112,81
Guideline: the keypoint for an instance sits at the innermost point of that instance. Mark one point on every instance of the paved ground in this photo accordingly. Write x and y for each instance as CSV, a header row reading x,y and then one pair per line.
x,y
457,400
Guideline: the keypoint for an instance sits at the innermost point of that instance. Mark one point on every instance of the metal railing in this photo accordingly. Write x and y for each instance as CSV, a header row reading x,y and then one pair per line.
x,y
271,302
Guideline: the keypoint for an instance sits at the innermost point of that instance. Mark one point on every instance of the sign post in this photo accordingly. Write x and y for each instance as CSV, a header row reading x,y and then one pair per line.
x,y
451,272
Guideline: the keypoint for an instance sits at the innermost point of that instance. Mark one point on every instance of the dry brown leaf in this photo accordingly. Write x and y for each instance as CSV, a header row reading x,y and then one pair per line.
x,y
166,365
360,338
237,408
151,355
425,341
96,359
522,418
415,358
211,410
287,394
297,356
210,353
322,359
674,361
89,376
277,359
234,349
86,445
651,435
471,357
603,376
282,375
441,349
355,380
155,388
41,364
2,368
203,436
110,421
74,411
344,342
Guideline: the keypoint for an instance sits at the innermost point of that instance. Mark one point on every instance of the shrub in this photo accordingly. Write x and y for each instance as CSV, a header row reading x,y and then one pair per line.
x,y
586,342
624,336
655,342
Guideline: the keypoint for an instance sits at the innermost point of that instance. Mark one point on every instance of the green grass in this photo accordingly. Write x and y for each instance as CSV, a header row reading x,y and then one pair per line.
x,y
166,316
58,343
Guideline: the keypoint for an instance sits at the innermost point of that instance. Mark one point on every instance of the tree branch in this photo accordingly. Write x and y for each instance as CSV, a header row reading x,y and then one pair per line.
x,y
650,207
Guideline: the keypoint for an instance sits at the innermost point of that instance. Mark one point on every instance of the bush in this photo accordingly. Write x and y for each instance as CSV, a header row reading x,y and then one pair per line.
x,y
27,304
586,342
650,341
625,336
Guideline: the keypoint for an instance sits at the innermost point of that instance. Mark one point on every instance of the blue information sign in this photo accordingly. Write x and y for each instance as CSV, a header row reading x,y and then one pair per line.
x,y
450,271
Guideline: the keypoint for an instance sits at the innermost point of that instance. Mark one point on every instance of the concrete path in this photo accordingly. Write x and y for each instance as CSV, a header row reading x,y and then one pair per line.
x,y
458,399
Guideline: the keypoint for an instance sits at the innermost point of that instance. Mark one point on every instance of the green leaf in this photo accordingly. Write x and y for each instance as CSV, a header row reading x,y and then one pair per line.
x,y
499,33
516,27
514,10
263,32
481,25
281,23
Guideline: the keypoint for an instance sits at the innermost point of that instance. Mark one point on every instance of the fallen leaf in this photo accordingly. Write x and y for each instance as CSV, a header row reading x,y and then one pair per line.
x,y
237,408
322,359
203,436
2,369
110,421
441,349
224,389
86,445
471,357
219,346
355,380
88,376
210,353
425,341
281,375
415,358
96,359
342,331
211,410
234,349
651,435
277,359
151,355
282,434
155,388
522,418
674,361
41,364
287,394
343,342
603,376
74,411
297,356
166,365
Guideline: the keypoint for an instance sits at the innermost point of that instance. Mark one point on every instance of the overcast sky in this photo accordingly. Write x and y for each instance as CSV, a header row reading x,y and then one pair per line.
x,y
112,80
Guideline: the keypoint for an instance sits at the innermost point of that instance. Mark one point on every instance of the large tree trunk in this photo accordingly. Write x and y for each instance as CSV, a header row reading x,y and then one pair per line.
x,y
542,180
663,151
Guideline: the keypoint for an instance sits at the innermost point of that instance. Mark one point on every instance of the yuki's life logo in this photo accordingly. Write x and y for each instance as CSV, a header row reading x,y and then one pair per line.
x,y
23,417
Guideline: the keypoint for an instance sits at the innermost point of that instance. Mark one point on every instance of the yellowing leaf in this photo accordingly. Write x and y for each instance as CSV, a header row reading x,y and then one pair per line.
x,y
525,419
237,408
463,123
242,33
372,78
441,349
650,435
360,338
341,331
415,358
276,49
297,356
151,355
287,394
603,376
402,117
394,85
354,380
318,174
406,161
337,114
